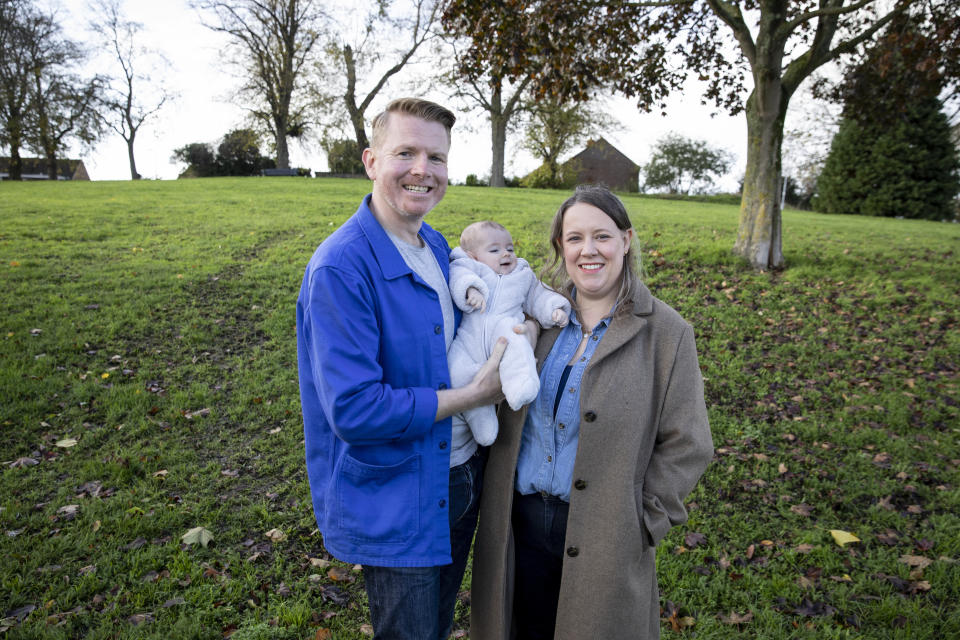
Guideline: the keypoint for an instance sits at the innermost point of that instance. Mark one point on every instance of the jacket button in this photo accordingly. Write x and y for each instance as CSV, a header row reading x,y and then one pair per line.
x,y
443,385
443,503
589,416
573,552
443,444
438,329
580,484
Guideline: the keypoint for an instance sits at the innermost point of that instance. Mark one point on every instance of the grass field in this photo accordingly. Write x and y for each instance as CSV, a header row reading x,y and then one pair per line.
x,y
148,389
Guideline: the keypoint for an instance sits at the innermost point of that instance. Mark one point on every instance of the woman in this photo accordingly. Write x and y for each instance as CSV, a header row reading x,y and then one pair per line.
x,y
583,483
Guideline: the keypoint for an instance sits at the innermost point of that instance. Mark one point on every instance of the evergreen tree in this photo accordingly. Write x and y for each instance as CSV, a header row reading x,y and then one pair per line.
x,y
893,154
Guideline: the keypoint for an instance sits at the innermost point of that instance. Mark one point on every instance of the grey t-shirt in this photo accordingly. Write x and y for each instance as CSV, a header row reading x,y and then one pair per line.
x,y
422,261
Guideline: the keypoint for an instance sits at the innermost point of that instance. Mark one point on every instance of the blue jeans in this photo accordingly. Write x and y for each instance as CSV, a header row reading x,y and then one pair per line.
x,y
539,530
417,603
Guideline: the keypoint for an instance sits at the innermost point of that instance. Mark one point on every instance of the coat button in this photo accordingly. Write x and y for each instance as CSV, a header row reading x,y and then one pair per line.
x,y
443,503
443,385
438,329
443,444
573,552
589,416
580,484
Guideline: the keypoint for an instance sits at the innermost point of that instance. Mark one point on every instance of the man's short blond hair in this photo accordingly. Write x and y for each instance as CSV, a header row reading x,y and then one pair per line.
x,y
416,107
470,237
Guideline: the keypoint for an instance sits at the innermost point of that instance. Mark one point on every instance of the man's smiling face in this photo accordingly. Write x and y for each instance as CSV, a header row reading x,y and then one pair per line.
x,y
408,168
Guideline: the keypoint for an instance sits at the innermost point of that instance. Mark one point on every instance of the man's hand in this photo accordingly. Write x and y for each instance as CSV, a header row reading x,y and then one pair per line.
x,y
475,299
484,389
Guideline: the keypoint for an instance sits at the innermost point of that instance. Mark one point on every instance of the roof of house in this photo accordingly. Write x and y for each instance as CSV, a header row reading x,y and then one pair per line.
x,y
36,169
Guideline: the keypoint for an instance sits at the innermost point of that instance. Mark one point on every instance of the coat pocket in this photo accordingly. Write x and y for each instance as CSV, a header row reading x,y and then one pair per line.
x,y
379,504
646,538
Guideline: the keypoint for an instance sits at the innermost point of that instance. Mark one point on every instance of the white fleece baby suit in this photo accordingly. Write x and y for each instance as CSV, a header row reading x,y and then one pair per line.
x,y
507,297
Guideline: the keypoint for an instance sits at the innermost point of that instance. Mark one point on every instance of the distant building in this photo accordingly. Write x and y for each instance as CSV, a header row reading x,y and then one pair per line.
x,y
36,169
602,162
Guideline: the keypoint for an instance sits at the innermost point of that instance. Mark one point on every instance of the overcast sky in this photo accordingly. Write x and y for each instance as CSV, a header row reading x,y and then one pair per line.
x,y
202,112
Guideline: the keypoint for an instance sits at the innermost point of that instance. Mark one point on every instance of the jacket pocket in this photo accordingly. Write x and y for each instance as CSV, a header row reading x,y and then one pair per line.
x,y
379,504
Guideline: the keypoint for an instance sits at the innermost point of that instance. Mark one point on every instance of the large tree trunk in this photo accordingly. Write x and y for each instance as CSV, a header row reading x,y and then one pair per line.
x,y
283,151
133,163
759,238
15,171
51,154
359,131
498,125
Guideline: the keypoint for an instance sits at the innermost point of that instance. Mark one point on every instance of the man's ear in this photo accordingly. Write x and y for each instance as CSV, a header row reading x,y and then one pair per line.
x,y
368,157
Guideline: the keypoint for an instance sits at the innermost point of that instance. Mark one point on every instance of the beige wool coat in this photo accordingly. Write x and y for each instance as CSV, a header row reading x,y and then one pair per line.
x,y
644,442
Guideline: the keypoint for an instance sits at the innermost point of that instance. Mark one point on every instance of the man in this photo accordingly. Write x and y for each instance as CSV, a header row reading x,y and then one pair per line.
x,y
395,486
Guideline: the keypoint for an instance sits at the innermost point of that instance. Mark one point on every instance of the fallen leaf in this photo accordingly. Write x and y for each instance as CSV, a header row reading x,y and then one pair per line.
x,y
136,544
340,574
916,561
366,629
814,609
140,618
197,535
921,585
69,511
693,540
804,548
735,618
889,537
66,443
276,535
319,562
160,474
843,538
172,602
802,509
334,595
23,462
282,590
323,634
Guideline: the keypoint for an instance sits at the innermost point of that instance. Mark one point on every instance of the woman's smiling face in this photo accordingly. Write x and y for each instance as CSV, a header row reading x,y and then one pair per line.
x,y
593,252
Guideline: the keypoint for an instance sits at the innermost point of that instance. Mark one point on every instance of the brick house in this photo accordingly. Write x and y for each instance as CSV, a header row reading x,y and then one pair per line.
x,y
36,169
602,162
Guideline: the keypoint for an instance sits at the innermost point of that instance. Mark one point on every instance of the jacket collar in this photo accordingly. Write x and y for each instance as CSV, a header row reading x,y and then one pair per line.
x,y
392,265
623,326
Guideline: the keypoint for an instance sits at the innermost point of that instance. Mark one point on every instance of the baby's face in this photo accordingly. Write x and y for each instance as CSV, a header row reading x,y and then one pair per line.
x,y
495,249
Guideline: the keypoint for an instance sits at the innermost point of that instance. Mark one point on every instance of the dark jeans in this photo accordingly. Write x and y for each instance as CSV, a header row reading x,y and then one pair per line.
x,y
539,529
417,603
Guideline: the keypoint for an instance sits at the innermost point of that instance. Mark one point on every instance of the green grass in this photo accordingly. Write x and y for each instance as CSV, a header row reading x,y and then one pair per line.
x,y
153,323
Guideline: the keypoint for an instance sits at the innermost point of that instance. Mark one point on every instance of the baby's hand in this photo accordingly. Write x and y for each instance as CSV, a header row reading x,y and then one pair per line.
x,y
475,299
559,317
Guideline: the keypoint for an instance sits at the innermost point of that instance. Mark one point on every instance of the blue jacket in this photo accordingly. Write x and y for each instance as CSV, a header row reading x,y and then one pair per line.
x,y
371,356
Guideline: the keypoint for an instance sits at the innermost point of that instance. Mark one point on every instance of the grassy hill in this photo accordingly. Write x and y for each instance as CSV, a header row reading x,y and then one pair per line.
x,y
148,387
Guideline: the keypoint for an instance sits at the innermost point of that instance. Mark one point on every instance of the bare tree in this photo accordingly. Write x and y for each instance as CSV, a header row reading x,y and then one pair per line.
x,y
501,99
22,30
389,38
126,111
273,41
557,125
63,105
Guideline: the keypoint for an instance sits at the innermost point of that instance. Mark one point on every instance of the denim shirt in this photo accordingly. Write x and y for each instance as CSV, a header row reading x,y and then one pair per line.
x,y
548,445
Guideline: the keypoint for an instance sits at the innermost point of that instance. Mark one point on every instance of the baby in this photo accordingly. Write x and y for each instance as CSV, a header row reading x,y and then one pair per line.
x,y
494,288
